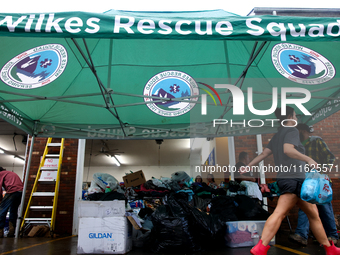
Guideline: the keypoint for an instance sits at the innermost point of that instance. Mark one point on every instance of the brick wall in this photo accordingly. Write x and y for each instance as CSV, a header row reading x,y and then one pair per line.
x,y
329,130
65,205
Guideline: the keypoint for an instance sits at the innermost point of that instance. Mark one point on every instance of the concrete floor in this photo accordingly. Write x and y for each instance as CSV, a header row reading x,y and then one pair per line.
x,y
68,245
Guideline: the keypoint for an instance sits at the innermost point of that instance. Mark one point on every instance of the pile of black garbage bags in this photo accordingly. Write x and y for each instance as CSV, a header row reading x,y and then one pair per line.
x,y
180,225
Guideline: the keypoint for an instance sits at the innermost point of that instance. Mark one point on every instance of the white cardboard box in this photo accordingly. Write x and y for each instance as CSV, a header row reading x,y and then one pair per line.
x,y
101,209
110,235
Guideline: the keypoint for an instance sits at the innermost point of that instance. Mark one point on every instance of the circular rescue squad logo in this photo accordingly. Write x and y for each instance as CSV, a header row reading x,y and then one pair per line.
x,y
168,92
302,65
36,67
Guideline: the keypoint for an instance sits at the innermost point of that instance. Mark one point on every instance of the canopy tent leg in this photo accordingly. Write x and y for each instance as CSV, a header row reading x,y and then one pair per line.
x,y
232,157
259,151
262,174
79,182
24,166
17,228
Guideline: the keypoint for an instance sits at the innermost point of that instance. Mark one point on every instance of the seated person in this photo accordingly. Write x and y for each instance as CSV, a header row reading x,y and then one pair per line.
x,y
198,179
211,181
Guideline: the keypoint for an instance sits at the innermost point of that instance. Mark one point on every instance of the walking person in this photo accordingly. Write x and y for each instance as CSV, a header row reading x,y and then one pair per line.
x,y
13,186
288,154
318,150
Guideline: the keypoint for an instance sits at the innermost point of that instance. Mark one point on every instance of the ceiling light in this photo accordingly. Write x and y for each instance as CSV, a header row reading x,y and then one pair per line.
x,y
115,160
1,151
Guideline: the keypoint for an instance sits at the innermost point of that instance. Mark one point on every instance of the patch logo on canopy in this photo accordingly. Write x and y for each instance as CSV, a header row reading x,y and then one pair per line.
x,y
302,65
36,67
166,91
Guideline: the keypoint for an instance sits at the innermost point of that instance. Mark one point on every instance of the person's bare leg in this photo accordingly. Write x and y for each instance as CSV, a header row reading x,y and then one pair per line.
x,y
285,203
314,221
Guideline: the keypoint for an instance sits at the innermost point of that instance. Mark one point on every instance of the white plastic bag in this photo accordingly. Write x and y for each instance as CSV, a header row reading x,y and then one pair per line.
x,y
103,180
94,188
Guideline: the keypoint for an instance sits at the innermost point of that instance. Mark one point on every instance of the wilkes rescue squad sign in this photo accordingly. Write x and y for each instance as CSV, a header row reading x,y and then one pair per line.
x,y
203,25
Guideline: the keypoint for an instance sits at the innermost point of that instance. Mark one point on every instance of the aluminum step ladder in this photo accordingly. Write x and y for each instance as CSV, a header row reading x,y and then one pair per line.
x,y
49,174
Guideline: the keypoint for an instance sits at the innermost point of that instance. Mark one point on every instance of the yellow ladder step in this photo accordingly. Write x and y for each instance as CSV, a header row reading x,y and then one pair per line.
x,y
38,220
43,194
41,208
52,155
54,144
49,168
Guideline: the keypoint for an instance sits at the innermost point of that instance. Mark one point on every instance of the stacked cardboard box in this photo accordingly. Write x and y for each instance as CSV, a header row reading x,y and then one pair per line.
x,y
103,228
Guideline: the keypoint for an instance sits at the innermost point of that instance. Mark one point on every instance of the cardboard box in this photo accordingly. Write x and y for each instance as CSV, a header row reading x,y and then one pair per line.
x,y
101,209
39,231
111,235
244,233
134,179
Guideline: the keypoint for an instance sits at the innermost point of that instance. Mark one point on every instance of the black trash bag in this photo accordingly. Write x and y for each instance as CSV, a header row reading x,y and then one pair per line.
x,y
170,233
106,196
201,203
219,192
235,186
144,212
177,203
249,209
140,238
209,229
160,213
207,224
224,208
206,228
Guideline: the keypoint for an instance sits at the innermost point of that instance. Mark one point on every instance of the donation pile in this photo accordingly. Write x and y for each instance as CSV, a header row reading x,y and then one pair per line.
x,y
175,213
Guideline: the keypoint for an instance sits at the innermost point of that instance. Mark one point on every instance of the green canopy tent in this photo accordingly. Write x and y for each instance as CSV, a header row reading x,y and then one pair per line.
x,y
143,75
149,75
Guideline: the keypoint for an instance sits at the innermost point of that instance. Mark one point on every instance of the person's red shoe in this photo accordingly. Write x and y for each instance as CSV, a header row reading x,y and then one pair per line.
x,y
332,250
260,249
